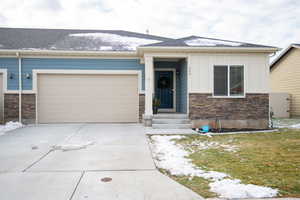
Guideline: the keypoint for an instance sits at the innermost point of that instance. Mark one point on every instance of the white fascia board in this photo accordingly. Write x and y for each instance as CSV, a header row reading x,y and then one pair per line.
x,y
141,50
166,55
283,53
37,52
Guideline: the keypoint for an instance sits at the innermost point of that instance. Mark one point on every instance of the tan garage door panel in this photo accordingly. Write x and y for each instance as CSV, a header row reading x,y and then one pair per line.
x,y
87,98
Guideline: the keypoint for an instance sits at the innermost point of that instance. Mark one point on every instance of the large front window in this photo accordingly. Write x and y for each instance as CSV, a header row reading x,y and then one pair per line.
x,y
229,80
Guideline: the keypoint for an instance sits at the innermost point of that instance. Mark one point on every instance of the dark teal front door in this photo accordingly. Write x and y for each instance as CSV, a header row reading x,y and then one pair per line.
x,y
164,87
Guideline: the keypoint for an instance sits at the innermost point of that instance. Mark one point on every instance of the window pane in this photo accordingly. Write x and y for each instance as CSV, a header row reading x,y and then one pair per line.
x,y
236,80
220,81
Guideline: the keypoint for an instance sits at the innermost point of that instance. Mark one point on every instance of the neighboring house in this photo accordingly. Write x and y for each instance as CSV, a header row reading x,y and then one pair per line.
x,y
112,76
285,76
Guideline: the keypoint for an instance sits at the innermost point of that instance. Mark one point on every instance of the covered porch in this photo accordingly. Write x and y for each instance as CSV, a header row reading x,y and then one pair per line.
x,y
166,82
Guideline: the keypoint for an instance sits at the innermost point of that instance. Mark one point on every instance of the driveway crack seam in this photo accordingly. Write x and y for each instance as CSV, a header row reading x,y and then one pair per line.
x,y
73,193
37,161
75,133
68,138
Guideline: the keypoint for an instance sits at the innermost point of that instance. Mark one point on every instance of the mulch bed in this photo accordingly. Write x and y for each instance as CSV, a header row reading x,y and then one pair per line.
x,y
226,130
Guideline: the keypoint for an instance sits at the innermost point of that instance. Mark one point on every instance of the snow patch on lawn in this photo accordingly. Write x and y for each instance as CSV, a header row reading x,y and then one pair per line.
x,y
227,188
9,126
295,126
210,42
130,43
229,148
287,123
203,145
174,158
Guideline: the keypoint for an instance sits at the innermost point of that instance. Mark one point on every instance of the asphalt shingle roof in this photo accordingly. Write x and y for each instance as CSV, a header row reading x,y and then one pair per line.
x,y
71,39
99,40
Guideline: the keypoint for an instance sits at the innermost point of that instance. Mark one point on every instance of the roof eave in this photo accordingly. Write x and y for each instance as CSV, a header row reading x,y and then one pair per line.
x,y
207,49
282,54
12,53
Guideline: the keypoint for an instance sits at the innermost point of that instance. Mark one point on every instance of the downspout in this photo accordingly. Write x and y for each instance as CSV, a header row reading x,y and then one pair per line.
x,y
20,86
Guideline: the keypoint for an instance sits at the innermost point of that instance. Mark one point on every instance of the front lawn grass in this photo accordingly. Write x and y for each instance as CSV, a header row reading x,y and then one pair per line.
x,y
265,159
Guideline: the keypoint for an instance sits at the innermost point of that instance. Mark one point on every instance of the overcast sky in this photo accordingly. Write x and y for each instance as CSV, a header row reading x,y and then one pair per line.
x,y
270,22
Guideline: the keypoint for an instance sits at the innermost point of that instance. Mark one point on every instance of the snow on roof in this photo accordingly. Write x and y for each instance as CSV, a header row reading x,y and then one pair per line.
x,y
82,40
196,41
100,40
210,42
283,53
113,40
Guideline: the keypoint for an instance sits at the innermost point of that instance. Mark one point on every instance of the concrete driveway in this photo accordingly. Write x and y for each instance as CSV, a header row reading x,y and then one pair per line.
x,y
115,164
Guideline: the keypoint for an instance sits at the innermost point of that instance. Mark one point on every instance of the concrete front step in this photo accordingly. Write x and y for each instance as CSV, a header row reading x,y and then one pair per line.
x,y
171,126
171,121
170,116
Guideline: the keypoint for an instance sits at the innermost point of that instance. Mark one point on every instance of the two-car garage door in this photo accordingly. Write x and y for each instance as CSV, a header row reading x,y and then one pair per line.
x,y
87,98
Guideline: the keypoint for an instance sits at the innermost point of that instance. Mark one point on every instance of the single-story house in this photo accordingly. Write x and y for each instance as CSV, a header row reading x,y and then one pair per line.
x,y
285,76
61,76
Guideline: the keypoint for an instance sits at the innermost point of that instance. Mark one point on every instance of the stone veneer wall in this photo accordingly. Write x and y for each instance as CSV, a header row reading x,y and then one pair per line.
x,y
11,108
141,106
249,112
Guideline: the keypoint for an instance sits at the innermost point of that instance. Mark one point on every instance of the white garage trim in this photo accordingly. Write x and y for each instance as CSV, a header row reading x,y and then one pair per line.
x,y
35,74
3,72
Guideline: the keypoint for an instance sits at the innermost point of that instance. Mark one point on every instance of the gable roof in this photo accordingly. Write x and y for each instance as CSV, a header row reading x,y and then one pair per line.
x,y
77,40
196,41
73,39
283,53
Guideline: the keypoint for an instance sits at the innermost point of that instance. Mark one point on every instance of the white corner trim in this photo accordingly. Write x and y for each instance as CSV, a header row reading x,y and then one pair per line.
x,y
4,83
46,71
4,73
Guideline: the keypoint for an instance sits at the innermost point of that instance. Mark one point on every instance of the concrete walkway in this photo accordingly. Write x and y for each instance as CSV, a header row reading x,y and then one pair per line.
x,y
102,161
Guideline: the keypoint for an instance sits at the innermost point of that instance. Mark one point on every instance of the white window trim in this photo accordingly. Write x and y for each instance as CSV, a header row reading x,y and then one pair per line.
x,y
228,81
